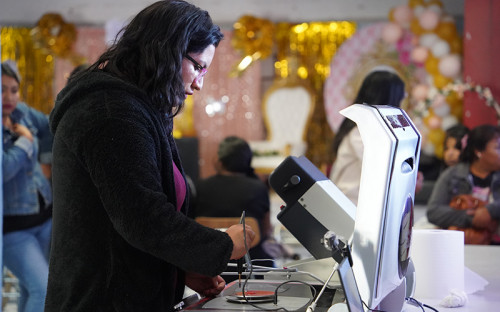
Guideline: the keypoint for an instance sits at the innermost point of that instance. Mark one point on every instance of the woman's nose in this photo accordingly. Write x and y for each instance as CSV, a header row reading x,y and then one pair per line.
x,y
198,84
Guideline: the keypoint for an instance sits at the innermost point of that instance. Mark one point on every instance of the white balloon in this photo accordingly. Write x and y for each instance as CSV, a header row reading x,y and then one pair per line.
x,y
441,110
428,40
436,8
450,65
418,10
448,122
440,48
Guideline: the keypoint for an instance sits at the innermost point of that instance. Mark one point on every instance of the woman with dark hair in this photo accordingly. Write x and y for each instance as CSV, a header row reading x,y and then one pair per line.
x,y
378,88
27,195
121,237
236,188
453,144
478,175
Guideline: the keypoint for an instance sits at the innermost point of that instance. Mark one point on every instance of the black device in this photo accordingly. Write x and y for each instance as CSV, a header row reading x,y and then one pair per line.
x,y
314,205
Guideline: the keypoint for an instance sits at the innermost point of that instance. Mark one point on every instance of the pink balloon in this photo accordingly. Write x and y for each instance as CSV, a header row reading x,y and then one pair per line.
x,y
434,122
419,54
419,92
391,33
402,15
449,65
429,20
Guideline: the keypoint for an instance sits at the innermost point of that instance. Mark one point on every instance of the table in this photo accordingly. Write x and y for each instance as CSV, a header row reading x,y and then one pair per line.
x,y
485,261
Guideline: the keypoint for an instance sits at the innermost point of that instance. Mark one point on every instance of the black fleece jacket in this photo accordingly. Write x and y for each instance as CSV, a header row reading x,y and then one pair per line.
x,y
119,243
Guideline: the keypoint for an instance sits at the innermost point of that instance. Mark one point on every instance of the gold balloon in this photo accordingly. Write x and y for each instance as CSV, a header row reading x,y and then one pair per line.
x,y
457,111
436,137
456,45
456,105
391,14
439,149
416,28
54,34
453,99
432,64
253,37
434,2
446,31
253,34
413,3
440,81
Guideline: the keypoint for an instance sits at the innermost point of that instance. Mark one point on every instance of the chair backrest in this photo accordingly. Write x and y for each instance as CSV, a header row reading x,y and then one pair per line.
x,y
288,109
224,223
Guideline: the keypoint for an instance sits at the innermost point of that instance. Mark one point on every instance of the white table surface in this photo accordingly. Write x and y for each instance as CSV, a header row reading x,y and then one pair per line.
x,y
485,261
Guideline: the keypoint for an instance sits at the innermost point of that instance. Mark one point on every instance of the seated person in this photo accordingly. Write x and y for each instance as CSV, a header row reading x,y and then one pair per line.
x,y
233,189
467,195
432,167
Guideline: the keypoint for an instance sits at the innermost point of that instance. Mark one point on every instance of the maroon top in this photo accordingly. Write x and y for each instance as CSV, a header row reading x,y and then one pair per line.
x,y
180,187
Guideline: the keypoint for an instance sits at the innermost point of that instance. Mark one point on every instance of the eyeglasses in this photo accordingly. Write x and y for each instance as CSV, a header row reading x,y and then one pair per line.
x,y
201,69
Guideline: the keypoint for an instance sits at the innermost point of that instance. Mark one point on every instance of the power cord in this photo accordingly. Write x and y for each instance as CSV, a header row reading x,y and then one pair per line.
x,y
373,310
249,264
420,304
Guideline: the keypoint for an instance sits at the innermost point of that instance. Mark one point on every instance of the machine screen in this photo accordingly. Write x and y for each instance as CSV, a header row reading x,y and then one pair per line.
x,y
398,121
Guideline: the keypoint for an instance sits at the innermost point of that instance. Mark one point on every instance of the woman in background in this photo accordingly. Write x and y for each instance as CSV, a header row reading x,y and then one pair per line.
x,y
27,194
378,88
477,176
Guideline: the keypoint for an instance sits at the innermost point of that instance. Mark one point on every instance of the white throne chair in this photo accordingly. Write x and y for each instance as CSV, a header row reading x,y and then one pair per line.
x,y
287,110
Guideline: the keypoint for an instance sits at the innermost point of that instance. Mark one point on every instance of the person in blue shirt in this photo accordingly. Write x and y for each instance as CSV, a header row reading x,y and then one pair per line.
x,y
27,194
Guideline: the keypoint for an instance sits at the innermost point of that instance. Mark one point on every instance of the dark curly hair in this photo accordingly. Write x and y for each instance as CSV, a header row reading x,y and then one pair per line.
x,y
457,132
150,49
477,140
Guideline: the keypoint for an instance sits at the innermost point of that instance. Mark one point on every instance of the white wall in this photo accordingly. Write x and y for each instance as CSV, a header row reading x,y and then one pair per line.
x,y
223,12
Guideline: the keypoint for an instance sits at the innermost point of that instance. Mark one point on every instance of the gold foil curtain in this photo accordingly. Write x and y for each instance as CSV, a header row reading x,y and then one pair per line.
x,y
36,67
304,52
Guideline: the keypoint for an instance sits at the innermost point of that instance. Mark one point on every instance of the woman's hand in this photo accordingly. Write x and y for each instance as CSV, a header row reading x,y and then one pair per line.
x,y
205,285
22,131
238,238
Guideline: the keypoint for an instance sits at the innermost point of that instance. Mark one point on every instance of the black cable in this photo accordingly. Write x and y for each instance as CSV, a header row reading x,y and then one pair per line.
x,y
276,290
429,307
373,310
415,302
420,304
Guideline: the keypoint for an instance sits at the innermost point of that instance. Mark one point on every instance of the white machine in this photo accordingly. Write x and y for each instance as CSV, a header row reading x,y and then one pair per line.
x,y
375,236
384,215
